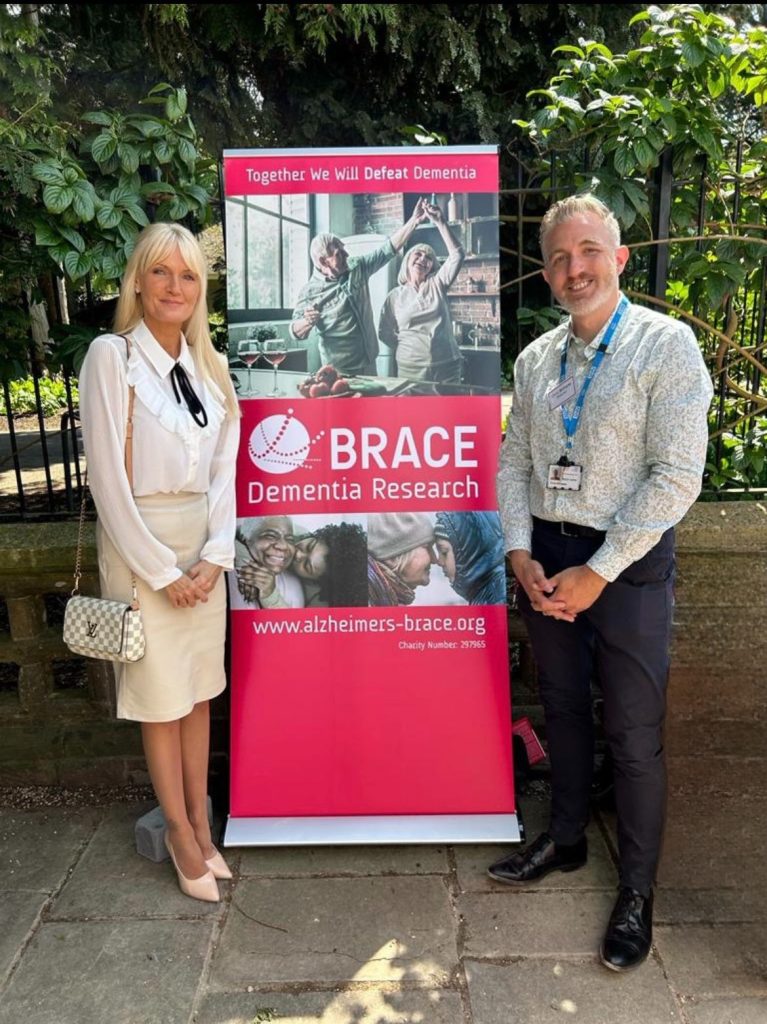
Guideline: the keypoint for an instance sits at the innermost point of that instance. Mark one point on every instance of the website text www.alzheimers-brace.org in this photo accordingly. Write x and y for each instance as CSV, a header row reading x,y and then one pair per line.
x,y
415,622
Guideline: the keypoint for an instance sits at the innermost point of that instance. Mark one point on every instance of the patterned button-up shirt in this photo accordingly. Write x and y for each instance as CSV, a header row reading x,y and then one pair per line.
x,y
641,439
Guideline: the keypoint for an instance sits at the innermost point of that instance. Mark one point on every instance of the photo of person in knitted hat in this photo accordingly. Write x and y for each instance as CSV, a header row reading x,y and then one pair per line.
x,y
400,556
470,553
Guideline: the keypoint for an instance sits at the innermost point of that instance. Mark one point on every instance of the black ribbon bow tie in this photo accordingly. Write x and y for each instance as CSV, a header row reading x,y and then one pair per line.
x,y
181,384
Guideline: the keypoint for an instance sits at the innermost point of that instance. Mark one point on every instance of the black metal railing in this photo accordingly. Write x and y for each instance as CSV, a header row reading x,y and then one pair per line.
x,y
41,466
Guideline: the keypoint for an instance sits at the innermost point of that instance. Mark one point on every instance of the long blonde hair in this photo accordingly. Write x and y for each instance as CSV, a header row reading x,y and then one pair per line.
x,y
153,245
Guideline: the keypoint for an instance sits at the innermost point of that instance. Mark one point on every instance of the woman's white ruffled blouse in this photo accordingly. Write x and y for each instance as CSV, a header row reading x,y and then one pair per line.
x,y
171,453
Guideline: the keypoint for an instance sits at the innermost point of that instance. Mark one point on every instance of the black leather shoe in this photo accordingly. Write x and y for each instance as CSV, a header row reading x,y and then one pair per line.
x,y
629,933
542,856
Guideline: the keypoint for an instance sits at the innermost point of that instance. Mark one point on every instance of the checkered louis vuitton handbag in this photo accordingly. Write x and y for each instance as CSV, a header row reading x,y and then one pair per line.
x,y
93,626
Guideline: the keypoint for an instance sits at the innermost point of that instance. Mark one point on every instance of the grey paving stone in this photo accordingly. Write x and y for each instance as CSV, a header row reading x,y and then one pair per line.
x,y
300,862
371,1006
722,777
725,1011
512,924
550,992
18,912
714,841
718,960
111,880
127,972
336,930
472,861
704,736
37,848
717,906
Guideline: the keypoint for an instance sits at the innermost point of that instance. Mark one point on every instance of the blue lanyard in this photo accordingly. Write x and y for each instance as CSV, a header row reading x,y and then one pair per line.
x,y
571,421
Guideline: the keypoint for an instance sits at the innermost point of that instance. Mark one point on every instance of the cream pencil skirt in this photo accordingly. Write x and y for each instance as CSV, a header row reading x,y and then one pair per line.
x,y
184,660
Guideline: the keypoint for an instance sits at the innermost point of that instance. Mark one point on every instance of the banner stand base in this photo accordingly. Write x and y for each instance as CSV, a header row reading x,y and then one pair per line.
x,y
369,830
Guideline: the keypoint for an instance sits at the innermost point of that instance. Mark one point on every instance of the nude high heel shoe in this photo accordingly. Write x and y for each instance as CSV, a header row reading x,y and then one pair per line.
x,y
218,866
202,888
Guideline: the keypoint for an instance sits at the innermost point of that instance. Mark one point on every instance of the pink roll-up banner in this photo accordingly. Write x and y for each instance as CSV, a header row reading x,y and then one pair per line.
x,y
370,696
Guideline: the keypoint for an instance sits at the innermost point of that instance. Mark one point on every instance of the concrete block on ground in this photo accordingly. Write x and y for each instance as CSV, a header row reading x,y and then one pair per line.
x,y
110,881
118,972
342,861
551,991
713,962
534,923
373,1005
336,930
150,834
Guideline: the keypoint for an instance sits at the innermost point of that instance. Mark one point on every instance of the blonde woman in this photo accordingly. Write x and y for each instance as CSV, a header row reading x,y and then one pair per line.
x,y
172,526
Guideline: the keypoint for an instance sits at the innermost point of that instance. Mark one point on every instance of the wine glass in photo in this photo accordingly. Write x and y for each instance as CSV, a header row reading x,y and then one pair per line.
x,y
274,351
248,351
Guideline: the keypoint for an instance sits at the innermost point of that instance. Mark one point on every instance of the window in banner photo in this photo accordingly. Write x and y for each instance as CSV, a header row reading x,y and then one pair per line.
x,y
267,250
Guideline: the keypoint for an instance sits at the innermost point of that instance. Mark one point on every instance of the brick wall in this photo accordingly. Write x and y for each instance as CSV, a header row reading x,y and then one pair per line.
x,y
57,720
381,213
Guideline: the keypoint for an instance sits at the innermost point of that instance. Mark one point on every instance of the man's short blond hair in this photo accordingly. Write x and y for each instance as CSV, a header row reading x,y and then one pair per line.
x,y
571,207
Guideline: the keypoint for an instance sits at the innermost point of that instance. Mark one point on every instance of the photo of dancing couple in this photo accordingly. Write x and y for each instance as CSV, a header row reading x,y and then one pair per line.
x,y
384,559
363,294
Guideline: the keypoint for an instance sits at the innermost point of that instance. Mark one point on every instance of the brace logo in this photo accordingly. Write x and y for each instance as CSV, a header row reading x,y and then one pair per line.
x,y
279,444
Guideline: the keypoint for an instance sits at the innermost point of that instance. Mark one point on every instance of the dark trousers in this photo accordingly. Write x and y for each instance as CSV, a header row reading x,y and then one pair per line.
x,y
623,639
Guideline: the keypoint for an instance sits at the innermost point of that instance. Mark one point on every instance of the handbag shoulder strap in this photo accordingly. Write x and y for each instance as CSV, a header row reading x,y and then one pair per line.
x,y
128,456
129,423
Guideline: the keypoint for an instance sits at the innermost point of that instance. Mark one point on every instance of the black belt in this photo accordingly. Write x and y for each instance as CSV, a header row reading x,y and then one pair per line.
x,y
568,529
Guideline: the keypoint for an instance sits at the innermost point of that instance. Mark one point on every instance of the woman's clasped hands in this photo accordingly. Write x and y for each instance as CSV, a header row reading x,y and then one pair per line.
x,y
194,585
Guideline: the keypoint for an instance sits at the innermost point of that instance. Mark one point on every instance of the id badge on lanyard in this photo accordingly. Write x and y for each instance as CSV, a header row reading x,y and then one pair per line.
x,y
564,474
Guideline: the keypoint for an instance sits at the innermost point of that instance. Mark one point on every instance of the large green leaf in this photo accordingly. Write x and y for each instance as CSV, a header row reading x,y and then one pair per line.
x,y
128,156
178,208
645,153
111,268
127,228
187,152
163,151
197,193
175,104
137,214
48,173
623,159
45,235
103,147
84,202
108,215
151,189
77,264
74,238
694,52
98,117
150,127
57,197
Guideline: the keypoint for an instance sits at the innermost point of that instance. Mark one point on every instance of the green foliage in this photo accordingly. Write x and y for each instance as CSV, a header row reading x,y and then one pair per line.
x,y
14,341
219,330
743,458
538,321
53,396
695,83
262,333
96,189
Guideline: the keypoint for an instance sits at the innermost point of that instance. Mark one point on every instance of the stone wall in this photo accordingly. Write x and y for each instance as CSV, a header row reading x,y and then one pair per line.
x,y
57,720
